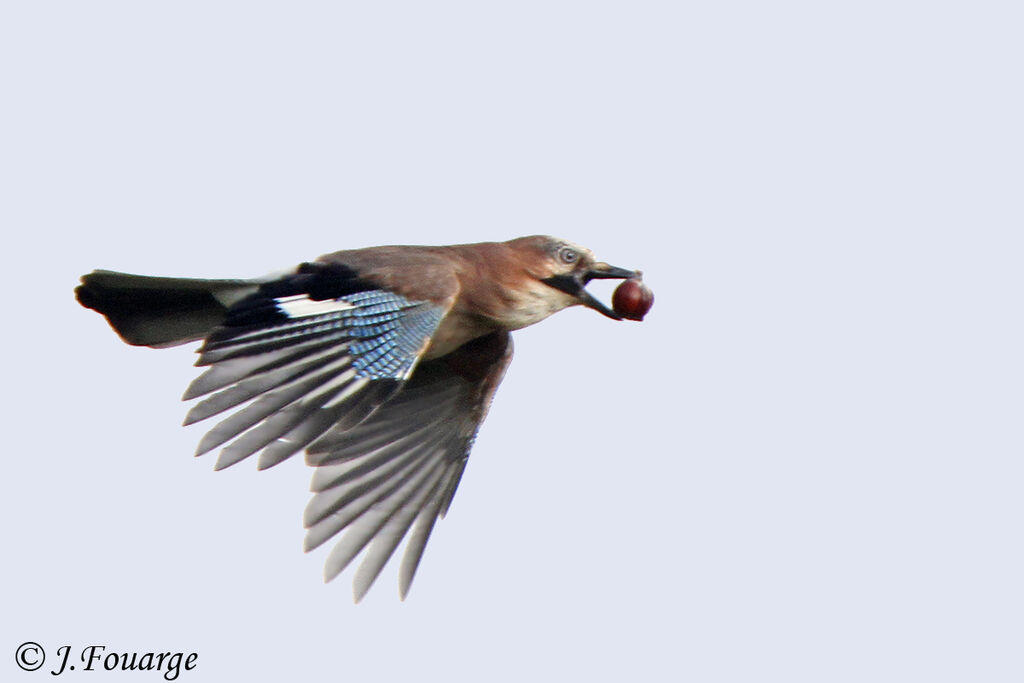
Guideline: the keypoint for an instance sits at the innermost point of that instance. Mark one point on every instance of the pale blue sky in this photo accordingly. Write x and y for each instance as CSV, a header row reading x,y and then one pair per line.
x,y
805,465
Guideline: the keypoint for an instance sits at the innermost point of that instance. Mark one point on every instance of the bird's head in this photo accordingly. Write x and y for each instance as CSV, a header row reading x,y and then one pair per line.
x,y
567,268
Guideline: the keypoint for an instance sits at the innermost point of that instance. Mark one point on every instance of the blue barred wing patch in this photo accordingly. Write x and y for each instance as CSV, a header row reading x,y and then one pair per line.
x,y
390,333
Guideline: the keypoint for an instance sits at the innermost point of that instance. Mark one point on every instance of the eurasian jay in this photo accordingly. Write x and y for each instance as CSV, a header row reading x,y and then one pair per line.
x,y
379,363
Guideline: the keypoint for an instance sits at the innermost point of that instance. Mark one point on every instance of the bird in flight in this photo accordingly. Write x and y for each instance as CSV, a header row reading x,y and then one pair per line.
x,y
379,363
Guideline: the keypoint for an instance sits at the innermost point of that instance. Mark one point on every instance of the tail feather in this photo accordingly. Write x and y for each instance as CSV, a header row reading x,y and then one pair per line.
x,y
160,311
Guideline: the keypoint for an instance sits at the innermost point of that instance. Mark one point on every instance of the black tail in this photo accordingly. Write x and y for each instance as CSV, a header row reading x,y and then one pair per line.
x,y
160,311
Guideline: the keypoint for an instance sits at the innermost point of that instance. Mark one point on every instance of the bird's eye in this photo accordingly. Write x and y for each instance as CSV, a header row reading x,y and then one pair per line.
x,y
568,255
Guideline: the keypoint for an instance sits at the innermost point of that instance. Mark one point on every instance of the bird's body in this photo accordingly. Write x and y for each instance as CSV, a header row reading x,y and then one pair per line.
x,y
379,363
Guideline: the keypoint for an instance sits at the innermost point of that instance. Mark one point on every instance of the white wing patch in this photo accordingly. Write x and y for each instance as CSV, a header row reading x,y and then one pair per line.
x,y
300,306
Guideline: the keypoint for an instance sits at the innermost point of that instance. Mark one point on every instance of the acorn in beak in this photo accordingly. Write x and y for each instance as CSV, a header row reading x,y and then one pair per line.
x,y
575,283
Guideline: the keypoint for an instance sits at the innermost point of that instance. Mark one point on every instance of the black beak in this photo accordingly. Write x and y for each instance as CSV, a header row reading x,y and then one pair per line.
x,y
602,271
574,284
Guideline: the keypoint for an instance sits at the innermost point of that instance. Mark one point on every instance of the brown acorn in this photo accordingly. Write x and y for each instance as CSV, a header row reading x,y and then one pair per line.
x,y
632,299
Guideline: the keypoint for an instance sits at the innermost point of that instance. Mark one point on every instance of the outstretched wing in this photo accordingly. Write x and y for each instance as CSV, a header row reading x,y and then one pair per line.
x,y
325,361
399,469
316,350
